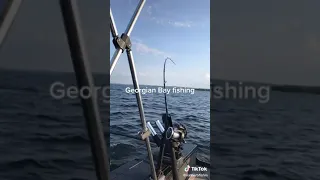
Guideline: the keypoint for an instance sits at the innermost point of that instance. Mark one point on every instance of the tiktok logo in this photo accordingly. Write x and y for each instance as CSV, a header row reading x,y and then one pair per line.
x,y
187,168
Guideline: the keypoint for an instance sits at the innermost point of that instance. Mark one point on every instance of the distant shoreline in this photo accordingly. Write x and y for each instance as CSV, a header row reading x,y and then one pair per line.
x,y
296,89
198,89
274,87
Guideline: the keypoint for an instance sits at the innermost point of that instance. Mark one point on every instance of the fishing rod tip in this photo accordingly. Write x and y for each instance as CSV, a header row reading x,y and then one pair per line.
x,y
170,60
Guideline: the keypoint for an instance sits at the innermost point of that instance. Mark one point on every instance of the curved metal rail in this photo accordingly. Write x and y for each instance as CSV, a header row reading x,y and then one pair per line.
x,y
123,43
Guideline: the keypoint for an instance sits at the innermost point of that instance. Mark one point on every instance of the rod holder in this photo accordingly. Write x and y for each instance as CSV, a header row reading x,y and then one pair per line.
x,y
153,132
160,127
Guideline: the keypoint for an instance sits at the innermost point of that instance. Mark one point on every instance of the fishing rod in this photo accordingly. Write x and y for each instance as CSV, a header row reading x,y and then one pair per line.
x,y
172,138
168,123
164,82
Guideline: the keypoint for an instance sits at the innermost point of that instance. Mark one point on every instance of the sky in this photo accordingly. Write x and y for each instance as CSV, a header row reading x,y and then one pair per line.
x,y
177,29
266,41
273,41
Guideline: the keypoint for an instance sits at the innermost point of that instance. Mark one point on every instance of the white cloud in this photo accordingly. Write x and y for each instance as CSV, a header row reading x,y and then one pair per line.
x,y
180,23
152,10
153,13
142,48
142,74
149,10
125,74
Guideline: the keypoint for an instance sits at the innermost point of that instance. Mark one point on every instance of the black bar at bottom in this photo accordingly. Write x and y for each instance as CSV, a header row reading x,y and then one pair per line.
x,y
84,77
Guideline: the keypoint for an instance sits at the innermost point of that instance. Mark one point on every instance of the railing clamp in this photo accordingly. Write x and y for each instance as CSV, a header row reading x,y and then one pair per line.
x,y
122,42
144,134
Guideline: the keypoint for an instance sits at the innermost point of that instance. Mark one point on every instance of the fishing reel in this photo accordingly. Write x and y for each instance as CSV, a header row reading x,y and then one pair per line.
x,y
177,133
173,137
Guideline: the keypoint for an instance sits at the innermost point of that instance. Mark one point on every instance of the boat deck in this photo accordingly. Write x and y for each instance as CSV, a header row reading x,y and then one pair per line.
x,y
140,169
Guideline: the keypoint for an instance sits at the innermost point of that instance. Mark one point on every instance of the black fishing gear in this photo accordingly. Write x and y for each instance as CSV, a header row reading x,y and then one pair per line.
x,y
177,133
172,139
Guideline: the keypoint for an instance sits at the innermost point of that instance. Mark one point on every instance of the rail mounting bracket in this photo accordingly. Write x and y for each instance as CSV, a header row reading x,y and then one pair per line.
x,y
122,42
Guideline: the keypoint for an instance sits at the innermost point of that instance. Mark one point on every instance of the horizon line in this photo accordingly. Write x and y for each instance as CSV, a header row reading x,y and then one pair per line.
x,y
211,79
196,88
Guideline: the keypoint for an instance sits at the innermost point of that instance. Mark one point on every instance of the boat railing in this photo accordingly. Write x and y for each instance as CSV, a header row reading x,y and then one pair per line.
x,y
123,43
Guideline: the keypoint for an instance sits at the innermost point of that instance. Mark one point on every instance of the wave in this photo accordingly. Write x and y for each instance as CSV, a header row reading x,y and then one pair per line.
x,y
19,90
27,162
252,174
61,139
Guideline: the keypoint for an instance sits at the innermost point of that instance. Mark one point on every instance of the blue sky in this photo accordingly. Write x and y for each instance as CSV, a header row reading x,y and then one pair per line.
x,y
178,29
